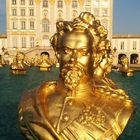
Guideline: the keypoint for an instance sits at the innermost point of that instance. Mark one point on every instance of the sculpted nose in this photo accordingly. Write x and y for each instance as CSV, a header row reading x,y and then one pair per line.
x,y
74,56
72,59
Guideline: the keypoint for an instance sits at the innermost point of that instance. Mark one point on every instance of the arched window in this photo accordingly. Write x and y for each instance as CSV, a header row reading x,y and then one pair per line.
x,y
134,58
45,25
120,56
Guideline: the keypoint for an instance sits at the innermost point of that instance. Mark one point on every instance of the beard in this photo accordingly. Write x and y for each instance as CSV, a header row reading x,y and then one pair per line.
x,y
71,75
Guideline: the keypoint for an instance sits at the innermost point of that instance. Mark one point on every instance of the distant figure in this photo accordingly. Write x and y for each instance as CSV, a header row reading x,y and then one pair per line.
x,y
44,62
125,69
2,61
19,64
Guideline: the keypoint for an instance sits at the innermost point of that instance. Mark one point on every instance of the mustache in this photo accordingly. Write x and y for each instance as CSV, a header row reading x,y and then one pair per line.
x,y
70,66
77,67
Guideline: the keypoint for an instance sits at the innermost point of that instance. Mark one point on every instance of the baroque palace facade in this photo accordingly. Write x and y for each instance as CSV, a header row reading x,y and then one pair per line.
x,y
128,45
31,23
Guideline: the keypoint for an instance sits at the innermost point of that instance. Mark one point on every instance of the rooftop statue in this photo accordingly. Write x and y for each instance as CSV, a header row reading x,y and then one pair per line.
x,y
20,63
125,69
84,104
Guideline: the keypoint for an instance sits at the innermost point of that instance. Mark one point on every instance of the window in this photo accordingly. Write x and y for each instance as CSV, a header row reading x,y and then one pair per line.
x,y
31,2
122,45
22,2
104,12
31,12
45,3
74,4
14,42
134,45
88,2
23,25
14,2
32,25
14,12
14,25
23,42
32,42
60,4
96,12
22,12
45,26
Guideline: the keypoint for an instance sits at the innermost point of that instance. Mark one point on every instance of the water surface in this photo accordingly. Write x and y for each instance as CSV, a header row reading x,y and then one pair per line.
x,y
12,87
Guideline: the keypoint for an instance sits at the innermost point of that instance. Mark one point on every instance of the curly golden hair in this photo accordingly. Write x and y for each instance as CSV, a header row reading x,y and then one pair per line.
x,y
85,21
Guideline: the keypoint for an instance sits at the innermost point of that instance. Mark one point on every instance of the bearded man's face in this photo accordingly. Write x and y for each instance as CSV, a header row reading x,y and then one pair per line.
x,y
75,58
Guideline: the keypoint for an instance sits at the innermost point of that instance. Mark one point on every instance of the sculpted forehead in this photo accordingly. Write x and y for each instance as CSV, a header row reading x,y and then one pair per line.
x,y
76,40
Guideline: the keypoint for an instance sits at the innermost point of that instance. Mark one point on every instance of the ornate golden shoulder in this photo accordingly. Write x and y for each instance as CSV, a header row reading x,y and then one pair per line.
x,y
47,88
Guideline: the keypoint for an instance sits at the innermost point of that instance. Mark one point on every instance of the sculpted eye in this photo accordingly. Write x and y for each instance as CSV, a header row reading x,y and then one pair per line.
x,y
84,52
66,50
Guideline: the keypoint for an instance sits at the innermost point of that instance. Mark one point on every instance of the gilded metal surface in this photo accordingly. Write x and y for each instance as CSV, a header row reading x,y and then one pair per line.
x,y
20,63
43,62
125,69
84,104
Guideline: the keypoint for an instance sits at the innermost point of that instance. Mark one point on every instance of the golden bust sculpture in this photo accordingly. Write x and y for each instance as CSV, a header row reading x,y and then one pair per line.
x,y
125,69
83,104
20,63
44,62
